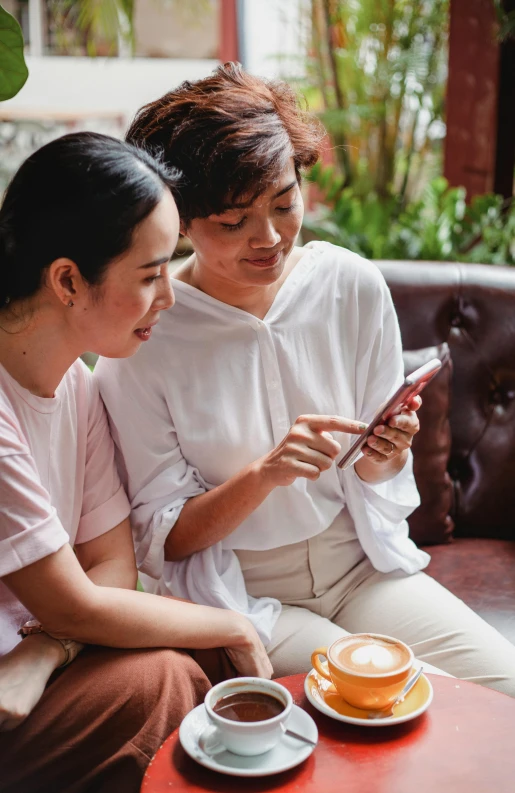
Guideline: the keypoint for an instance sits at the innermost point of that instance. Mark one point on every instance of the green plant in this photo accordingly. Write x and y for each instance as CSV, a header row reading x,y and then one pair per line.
x,y
438,226
378,68
13,69
89,24
506,20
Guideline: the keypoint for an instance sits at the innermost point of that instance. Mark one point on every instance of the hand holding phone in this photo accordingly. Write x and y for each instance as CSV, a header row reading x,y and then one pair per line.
x,y
412,386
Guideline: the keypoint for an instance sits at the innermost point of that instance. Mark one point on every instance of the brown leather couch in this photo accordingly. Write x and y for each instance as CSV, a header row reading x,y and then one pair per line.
x,y
464,455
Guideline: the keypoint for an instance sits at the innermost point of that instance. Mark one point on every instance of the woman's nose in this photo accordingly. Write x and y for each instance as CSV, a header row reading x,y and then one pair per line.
x,y
165,297
265,236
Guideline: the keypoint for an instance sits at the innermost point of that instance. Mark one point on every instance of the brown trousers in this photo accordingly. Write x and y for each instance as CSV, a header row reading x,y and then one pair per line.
x,y
101,720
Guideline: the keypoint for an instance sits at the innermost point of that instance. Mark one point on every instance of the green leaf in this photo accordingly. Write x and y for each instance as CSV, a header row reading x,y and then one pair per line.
x,y
439,226
13,69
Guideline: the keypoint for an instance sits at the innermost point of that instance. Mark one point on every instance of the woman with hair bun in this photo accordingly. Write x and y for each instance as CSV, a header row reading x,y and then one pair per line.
x,y
87,228
247,394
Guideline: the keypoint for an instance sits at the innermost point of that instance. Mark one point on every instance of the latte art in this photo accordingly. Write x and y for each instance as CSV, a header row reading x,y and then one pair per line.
x,y
373,655
370,655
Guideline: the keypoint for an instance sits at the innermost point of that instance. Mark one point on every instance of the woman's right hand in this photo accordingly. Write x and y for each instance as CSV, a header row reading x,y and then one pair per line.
x,y
307,449
24,673
248,653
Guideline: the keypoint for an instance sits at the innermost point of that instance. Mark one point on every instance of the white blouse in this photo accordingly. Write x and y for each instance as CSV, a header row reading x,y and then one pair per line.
x,y
216,388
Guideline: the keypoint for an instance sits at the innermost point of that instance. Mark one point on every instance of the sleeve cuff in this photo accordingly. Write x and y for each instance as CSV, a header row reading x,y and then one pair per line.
x,y
31,545
103,518
396,498
150,554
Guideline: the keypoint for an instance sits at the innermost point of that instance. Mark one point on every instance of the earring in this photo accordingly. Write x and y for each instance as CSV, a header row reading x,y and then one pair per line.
x,y
70,304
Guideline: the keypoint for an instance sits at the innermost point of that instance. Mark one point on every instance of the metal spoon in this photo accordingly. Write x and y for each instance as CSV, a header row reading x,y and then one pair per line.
x,y
297,736
384,714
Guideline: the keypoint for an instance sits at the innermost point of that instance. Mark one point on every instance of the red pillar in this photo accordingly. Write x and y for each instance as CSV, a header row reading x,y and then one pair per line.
x,y
228,50
472,96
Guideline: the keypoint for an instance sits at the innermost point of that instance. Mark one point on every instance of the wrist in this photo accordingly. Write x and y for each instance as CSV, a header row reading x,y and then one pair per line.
x,y
375,473
262,473
47,644
240,630
44,648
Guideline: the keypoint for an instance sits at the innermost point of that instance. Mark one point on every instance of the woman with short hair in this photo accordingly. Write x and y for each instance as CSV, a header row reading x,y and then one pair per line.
x,y
271,358
87,228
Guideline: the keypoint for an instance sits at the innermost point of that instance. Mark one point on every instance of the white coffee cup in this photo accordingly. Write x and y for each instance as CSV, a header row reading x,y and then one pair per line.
x,y
245,738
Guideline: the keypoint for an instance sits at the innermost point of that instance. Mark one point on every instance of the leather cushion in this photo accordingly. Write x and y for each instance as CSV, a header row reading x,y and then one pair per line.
x,y
431,523
481,573
472,307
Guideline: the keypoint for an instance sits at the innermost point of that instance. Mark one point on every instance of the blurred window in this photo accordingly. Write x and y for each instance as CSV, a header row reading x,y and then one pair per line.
x,y
175,29
155,29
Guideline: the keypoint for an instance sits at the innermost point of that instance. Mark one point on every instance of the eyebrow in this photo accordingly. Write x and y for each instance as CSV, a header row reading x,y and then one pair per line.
x,y
156,263
285,189
277,195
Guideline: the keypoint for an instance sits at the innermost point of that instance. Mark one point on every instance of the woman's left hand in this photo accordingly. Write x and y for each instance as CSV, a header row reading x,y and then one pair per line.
x,y
392,439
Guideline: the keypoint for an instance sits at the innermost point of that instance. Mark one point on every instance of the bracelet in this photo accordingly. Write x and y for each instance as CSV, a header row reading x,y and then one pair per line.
x,y
70,646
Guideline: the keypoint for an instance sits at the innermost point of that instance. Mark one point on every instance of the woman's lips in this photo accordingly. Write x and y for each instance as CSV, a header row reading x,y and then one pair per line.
x,y
145,333
268,262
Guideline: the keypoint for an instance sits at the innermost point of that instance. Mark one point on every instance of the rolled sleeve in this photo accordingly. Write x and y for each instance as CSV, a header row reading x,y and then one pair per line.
x,y
29,526
394,499
380,513
156,509
103,518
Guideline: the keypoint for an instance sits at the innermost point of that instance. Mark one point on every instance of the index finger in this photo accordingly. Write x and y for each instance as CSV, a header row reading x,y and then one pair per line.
x,y
334,424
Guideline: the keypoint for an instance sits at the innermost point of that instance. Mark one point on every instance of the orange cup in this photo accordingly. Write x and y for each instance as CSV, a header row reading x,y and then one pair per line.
x,y
364,689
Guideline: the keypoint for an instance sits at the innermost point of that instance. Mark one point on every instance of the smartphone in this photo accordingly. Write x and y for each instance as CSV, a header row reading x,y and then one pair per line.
x,y
412,385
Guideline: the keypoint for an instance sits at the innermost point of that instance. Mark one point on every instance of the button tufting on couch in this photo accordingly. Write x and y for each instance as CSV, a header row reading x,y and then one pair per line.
x,y
472,308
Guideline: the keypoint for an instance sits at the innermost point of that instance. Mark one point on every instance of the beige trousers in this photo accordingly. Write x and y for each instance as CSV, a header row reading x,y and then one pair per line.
x,y
328,588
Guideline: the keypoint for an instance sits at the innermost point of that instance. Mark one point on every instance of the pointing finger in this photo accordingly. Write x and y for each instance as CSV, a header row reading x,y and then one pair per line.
x,y
332,424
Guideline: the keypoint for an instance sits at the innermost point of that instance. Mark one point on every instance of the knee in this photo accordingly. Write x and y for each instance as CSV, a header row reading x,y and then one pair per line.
x,y
147,681
165,685
166,676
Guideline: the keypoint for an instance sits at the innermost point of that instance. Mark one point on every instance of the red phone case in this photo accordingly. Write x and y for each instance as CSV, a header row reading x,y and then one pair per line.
x,y
413,384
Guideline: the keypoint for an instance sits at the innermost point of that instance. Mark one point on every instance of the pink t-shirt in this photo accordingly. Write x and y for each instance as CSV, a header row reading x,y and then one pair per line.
x,y
58,480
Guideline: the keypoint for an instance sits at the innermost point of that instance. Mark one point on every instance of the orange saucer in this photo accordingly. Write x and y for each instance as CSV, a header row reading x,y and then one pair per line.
x,y
324,697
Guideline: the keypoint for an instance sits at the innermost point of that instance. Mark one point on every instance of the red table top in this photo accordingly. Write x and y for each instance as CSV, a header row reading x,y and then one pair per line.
x,y
464,743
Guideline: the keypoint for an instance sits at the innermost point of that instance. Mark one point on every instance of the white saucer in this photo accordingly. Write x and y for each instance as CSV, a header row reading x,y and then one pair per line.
x,y
288,753
324,697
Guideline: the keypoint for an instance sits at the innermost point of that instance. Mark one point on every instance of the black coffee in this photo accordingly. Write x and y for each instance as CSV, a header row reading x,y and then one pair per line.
x,y
248,706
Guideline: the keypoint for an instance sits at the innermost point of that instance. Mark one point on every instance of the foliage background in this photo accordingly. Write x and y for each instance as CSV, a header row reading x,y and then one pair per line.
x,y
377,77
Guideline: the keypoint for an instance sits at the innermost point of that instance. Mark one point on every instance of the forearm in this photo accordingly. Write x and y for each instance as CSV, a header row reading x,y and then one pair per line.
x,y
57,592
306,450
210,517
374,474
128,619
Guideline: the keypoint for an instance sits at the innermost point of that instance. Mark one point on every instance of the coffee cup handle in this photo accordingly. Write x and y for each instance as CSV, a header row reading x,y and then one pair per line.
x,y
317,664
209,741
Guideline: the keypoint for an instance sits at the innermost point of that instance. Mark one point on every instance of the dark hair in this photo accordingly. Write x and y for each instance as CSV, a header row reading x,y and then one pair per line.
x,y
79,197
229,134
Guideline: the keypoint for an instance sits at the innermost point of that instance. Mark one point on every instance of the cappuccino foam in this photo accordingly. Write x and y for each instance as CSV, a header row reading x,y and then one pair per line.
x,y
370,655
